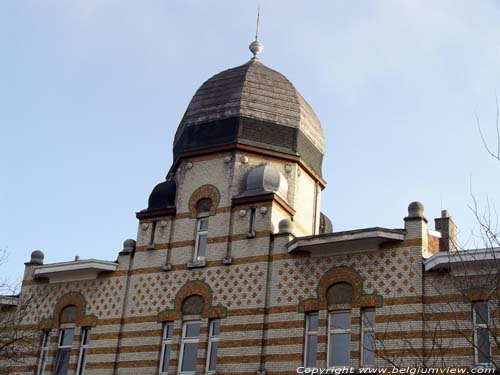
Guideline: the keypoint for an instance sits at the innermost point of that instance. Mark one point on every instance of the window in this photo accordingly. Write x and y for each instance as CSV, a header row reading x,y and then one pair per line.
x,y
166,347
311,340
339,338
189,346
44,352
213,345
367,337
84,347
151,244
482,349
64,351
251,229
200,250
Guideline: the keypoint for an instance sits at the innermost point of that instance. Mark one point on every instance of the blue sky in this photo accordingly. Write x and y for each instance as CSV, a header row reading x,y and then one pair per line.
x,y
91,93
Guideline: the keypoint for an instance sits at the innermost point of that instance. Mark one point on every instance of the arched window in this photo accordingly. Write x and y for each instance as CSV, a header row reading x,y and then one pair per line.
x,y
203,207
339,298
67,320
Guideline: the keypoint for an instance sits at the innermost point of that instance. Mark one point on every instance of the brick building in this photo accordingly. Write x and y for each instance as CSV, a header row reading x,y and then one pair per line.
x,y
235,269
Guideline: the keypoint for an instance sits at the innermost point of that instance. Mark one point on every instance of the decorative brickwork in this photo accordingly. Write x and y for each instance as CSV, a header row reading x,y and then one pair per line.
x,y
340,275
205,191
193,288
80,319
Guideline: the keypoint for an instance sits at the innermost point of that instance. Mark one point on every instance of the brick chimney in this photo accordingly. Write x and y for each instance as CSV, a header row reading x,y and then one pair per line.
x,y
448,229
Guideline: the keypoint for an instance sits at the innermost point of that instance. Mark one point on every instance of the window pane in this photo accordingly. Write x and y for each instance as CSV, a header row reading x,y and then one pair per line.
x,y
481,310
202,245
368,319
340,320
62,363
215,327
312,349
166,358
169,329
189,357
67,337
85,338
46,336
368,348
313,322
483,345
213,357
83,359
192,329
204,224
339,349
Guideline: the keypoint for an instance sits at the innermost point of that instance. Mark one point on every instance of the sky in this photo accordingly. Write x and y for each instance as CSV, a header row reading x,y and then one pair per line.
x,y
91,93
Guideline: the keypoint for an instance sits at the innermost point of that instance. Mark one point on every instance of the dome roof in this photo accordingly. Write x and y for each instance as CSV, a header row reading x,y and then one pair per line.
x,y
253,105
162,196
265,179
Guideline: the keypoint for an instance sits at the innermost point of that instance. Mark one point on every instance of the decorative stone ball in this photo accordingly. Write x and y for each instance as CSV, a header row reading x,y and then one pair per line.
x,y
285,226
244,159
189,165
263,210
129,246
242,213
37,257
415,209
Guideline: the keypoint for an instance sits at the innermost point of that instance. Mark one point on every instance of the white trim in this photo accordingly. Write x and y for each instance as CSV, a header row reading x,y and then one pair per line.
x,y
61,347
475,327
364,329
84,347
164,342
86,269
337,331
42,361
9,300
200,232
370,238
188,340
443,260
211,339
309,333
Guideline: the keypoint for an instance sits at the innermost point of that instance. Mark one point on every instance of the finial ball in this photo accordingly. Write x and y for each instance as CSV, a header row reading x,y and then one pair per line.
x,y
415,209
256,48
37,257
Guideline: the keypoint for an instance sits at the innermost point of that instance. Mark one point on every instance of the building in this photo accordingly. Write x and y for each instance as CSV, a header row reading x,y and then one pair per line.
x,y
235,269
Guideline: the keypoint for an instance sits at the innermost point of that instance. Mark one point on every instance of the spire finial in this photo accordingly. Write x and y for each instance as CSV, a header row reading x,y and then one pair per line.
x,y
257,28
256,47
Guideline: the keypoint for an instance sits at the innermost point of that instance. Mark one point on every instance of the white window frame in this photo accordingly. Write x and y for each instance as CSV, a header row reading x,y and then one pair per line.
x,y
60,347
309,333
200,232
188,340
337,331
212,339
84,348
365,330
166,341
476,327
44,352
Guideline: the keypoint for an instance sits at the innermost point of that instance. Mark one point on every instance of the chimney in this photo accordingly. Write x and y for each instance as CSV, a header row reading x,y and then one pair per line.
x,y
448,229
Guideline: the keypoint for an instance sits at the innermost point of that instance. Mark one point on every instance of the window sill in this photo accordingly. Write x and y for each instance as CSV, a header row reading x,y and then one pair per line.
x,y
197,264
